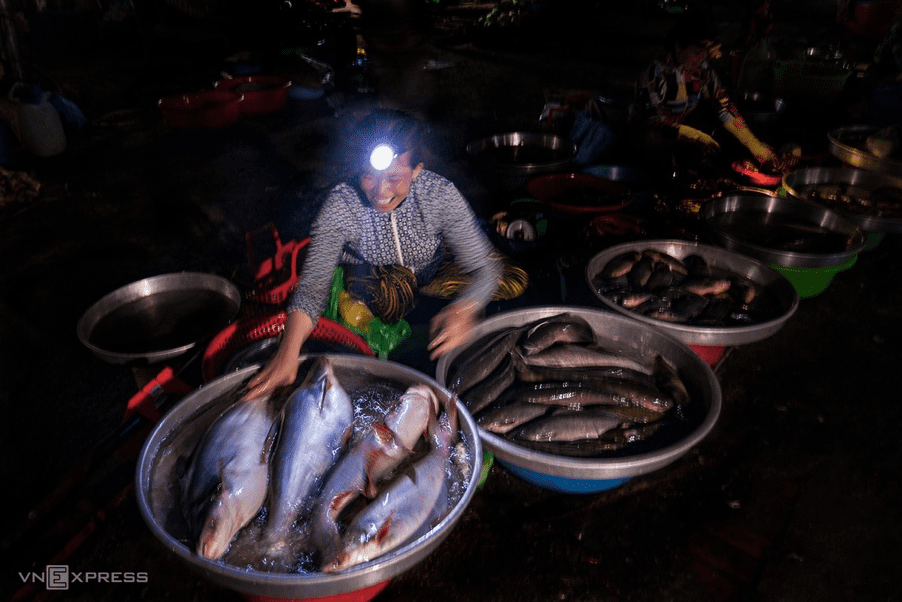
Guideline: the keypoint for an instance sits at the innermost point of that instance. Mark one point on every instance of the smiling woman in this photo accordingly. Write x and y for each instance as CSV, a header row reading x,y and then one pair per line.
x,y
392,225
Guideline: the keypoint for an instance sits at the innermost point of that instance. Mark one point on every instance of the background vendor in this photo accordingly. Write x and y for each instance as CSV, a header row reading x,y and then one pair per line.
x,y
680,98
392,223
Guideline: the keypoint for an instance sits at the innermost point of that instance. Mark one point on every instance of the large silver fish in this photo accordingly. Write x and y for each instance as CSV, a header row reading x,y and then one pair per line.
x,y
225,485
405,507
371,458
315,425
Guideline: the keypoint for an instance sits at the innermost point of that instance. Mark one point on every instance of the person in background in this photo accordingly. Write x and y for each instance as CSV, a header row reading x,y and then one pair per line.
x,y
389,224
680,97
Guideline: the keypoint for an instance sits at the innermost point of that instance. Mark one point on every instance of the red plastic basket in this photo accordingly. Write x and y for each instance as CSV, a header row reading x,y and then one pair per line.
x,y
238,335
276,276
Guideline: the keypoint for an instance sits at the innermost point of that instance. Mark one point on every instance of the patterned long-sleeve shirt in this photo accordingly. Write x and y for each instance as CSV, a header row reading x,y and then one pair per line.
x,y
348,230
666,96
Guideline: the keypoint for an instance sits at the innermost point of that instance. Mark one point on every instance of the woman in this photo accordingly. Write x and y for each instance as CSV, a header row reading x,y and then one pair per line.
x,y
392,214
681,95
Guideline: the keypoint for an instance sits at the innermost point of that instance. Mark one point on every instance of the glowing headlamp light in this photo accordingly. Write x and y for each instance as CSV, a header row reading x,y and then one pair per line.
x,y
382,156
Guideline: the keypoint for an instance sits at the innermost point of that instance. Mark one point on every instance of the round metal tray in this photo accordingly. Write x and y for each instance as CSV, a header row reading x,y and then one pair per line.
x,y
158,318
776,209
848,145
174,436
522,153
618,333
739,265
799,182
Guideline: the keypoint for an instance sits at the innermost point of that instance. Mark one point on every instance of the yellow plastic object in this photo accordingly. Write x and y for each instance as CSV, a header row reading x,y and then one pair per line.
x,y
354,312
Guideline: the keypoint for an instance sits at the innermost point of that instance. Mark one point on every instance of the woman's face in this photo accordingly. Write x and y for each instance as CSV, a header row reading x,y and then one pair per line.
x,y
388,188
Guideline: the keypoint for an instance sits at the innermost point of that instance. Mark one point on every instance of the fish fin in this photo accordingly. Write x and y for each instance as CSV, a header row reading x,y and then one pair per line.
x,y
339,502
384,435
272,440
384,529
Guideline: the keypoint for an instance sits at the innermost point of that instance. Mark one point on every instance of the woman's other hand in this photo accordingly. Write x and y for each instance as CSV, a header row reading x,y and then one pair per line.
x,y
451,327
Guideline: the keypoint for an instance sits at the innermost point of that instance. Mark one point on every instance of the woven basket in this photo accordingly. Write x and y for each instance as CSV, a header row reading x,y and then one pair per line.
x,y
809,80
238,335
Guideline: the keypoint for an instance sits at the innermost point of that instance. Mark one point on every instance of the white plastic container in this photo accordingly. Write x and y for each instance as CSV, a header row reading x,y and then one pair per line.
x,y
40,128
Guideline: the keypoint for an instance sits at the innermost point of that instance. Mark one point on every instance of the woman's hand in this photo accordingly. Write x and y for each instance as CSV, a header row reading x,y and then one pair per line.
x,y
451,327
709,145
282,368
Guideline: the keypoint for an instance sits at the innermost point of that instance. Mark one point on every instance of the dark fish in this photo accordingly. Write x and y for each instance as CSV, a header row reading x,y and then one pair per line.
x,y
641,271
506,418
581,356
569,426
563,328
601,391
669,381
706,286
634,299
620,265
661,277
486,391
696,265
669,260
482,361
538,374
716,312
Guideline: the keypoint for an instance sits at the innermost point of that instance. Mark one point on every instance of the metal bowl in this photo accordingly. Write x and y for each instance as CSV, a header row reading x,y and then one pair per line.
x,y
511,159
798,183
618,333
747,211
848,145
739,265
173,438
761,109
158,318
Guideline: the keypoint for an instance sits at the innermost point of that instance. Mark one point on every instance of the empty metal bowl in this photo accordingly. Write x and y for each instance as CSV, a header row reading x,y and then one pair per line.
x,y
174,436
617,333
508,160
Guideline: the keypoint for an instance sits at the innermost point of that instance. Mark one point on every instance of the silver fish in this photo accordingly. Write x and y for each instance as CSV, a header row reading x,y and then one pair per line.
x,y
563,328
581,356
484,393
225,485
371,458
669,380
315,425
405,507
600,391
482,361
505,419
570,426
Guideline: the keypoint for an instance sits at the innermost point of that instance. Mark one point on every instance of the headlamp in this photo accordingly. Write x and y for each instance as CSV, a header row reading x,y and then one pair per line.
x,y
382,156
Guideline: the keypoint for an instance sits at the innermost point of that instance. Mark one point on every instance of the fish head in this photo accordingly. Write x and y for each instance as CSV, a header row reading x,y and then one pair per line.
x,y
410,418
217,532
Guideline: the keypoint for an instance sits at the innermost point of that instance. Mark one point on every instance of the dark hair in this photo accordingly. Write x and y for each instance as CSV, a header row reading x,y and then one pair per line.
x,y
399,129
691,29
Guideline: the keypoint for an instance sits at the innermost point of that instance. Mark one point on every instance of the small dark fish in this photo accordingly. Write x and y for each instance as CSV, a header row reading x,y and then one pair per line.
x,y
707,286
641,271
563,328
634,299
672,262
661,277
697,266
716,312
482,361
538,374
487,390
620,265
506,418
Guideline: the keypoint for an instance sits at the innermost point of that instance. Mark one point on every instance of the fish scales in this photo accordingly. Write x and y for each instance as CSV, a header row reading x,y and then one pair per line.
x,y
478,365
226,482
315,424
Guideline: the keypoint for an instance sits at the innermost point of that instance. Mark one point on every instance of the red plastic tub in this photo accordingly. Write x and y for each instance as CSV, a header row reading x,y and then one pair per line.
x,y
262,93
208,109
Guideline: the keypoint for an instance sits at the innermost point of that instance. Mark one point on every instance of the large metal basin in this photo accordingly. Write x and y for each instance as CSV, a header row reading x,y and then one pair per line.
x,y
774,211
619,333
798,183
510,159
738,265
174,437
158,318
848,144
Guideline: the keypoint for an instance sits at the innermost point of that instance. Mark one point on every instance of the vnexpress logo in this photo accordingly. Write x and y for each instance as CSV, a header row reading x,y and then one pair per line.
x,y
59,577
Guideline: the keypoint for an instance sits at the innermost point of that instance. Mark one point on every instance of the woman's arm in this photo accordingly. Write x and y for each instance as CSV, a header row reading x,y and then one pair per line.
x,y
282,368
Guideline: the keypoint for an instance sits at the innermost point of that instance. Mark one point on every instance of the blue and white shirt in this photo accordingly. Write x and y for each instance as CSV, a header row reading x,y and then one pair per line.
x,y
348,230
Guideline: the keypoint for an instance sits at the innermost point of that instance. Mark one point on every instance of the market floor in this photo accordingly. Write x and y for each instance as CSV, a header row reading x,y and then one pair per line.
x,y
794,495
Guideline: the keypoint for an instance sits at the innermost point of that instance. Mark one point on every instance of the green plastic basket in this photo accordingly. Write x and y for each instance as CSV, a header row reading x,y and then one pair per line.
x,y
812,80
